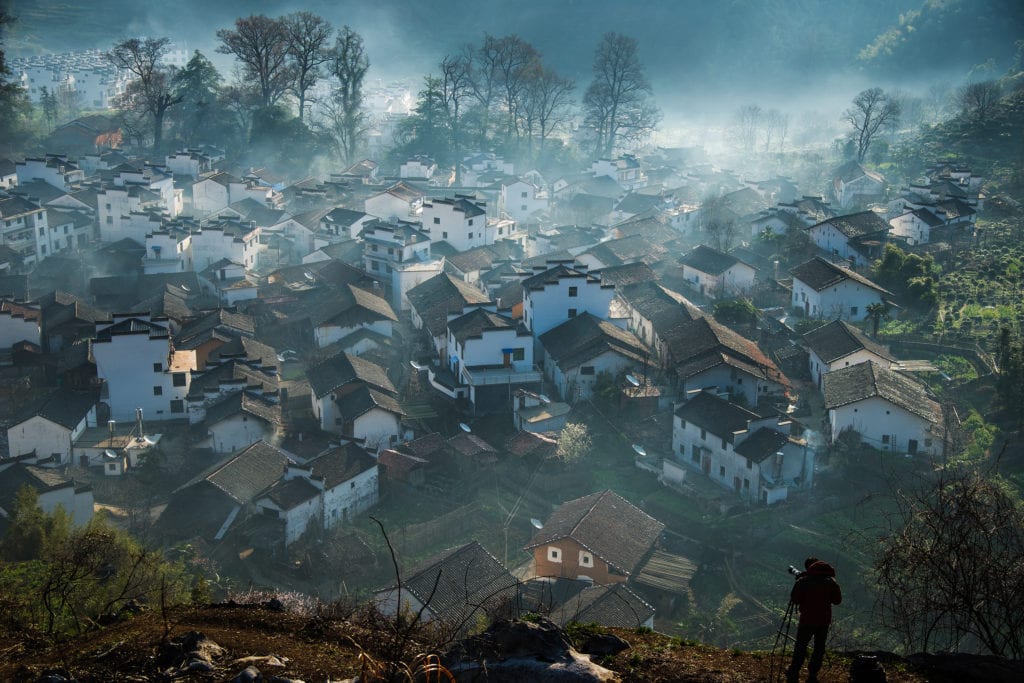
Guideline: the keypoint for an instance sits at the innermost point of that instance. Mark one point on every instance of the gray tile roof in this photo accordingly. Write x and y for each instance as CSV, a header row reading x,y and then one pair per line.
x,y
341,463
607,525
857,224
472,325
716,415
343,369
586,337
442,294
612,606
866,380
819,274
839,339
708,260
247,474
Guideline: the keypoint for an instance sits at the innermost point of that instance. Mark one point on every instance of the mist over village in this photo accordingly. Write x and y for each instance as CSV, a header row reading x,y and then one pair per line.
x,y
511,341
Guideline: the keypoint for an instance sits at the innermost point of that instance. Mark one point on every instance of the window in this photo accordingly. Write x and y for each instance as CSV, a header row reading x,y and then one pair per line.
x,y
586,559
178,379
587,370
574,291
158,391
885,439
750,464
177,406
352,485
725,445
682,423
746,484
572,312
374,265
703,434
523,207
721,470
554,554
522,195
444,235
853,310
157,367
110,220
469,236
501,231
42,232
695,456
373,247
437,221
518,354
470,222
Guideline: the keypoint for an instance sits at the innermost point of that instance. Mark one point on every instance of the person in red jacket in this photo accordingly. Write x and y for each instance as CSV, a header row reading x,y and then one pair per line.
x,y
814,593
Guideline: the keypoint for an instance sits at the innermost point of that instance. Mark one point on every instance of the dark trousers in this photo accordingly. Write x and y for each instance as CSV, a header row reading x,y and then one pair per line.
x,y
804,633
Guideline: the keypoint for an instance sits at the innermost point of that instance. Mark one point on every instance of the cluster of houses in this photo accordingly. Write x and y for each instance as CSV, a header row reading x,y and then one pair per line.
x,y
138,296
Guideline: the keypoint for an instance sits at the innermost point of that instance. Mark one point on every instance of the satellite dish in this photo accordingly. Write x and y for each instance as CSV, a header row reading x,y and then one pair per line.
x,y
465,427
537,524
109,453
633,380
185,288
640,450
308,275
149,440
543,398
417,366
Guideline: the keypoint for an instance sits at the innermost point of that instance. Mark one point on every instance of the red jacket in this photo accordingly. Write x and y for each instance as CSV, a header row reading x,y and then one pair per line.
x,y
815,592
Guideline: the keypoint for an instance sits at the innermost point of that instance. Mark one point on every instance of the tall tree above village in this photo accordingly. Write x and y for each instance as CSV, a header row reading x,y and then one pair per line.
x,y
149,92
349,64
872,111
485,72
14,105
618,103
456,86
548,104
261,45
199,115
308,38
515,61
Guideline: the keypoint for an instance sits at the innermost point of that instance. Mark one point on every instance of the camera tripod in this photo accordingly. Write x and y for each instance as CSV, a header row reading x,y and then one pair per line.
x,y
782,637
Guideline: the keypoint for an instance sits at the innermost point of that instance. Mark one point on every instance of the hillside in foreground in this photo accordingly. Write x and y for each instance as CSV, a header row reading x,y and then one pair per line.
x,y
291,647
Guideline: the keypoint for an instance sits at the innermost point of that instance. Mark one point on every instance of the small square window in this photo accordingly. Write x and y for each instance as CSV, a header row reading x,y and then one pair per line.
x,y
158,391
586,559
437,221
721,470
177,406
554,554
853,310
444,235
518,354
885,438
574,291
158,367
178,379
572,312
470,222
470,236
587,370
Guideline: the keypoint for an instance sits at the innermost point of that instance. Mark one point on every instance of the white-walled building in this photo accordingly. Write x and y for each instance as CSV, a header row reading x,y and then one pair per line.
x,y
401,201
520,200
417,167
750,454
624,170
50,429
53,490
24,228
838,345
561,293
890,411
20,322
826,290
54,169
355,398
136,361
716,274
858,238
460,221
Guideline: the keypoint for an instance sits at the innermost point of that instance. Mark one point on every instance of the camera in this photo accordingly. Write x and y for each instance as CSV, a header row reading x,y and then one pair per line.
x,y
797,573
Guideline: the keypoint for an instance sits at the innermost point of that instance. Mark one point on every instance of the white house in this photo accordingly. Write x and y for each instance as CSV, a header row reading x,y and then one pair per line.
x,y
219,190
492,355
53,169
625,170
852,184
189,162
750,454
235,241
52,488
715,274
581,349
460,221
915,226
136,361
389,245
350,310
859,238
838,345
339,223
68,229
561,293
51,429
401,201
520,200
354,397
239,420
826,290
417,167
23,226
433,300
888,410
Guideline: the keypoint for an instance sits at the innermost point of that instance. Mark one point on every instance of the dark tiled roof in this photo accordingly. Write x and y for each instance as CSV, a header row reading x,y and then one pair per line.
x,y
460,582
442,294
717,415
708,260
856,224
665,308
291,493
551,276
839,339
954,208
40,479
627,250
340,464
223,322
471,445
762,444
424,446
613,606
363,400
819,274
344,368
132,326
243,402
852,170
244,476
472,325
586,337
705,343
65,408
628,274
23,311
607,525
865,380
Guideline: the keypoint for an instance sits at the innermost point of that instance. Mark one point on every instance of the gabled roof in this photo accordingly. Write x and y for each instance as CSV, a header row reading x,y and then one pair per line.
x,y
290,493
717,415
247,474
927,217
664,308
462,205
626,274
865,380
64,408
343,369
340,464
586,337
607,525
403,191
24,311
856,225
459,582
705,343
819,274
852,170
762,444
442,294
40,479
708,260
626,250
363,400
839,339
221,323
472,325
244,402
611,606
954,208
551,276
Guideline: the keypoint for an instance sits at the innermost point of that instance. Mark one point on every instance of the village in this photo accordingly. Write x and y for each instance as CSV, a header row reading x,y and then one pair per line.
x,y
613,393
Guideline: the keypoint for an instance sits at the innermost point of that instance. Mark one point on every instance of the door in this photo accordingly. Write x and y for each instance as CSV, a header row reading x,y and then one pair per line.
x,y
912,447
706,464
736,484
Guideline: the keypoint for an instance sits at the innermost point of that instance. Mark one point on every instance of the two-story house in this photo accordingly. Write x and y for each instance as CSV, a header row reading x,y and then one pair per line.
x,y
624,170
355,398
434,299
858,238
401,201
825,290
461,221
838,345
854,185
739,449
716,274
23,228
561,293
51,427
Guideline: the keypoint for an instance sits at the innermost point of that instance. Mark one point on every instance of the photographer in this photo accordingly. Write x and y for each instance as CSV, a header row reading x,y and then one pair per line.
x,y
814,593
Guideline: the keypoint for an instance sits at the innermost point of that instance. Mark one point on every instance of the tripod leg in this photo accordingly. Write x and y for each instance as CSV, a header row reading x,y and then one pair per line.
x,y
778,667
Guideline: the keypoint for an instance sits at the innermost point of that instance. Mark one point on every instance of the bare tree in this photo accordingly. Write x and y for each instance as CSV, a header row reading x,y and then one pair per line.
x,y
719,222
748,121
872,111
485,80
549,102
307,34
776,125
456,83
979,99
617,102
349,65
261,45
149,92
950,574
516,61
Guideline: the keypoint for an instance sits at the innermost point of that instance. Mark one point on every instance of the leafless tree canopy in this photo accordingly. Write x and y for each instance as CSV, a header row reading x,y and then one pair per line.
x,y
872,111
149,93
617,102
349,65
979,99
308,35
951,576
260,44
